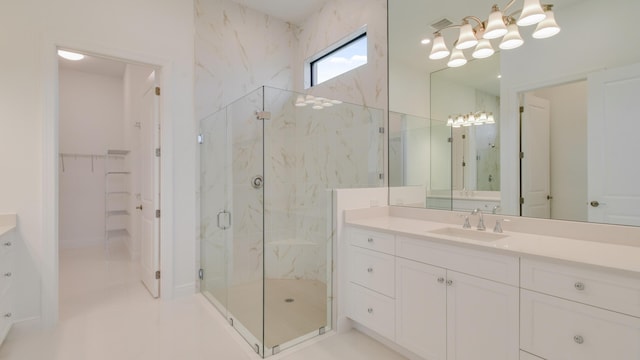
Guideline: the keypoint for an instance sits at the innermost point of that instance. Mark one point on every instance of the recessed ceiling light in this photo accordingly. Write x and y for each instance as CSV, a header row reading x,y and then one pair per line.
x,y
499,76
425,41
70,55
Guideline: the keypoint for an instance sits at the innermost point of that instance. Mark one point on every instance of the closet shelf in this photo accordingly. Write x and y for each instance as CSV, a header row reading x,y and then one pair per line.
x,y
117,152
117,212
118,193
118,172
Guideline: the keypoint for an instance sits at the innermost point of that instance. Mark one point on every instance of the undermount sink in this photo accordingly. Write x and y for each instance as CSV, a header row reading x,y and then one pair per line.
x,y
469,234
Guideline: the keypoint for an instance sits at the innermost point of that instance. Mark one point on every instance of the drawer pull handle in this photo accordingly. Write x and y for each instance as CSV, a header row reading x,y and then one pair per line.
x,y
8,274
370,270
441,280
578,339
370,240
449,282
370,310
8,243
7,315
579,286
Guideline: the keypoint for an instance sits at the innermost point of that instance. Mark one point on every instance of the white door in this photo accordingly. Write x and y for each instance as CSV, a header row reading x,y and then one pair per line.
x,y
150,188
482,319
535,163
613,146
421,300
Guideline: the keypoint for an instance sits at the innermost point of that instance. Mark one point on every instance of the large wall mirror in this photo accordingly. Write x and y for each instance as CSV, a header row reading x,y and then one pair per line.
x,y
563,140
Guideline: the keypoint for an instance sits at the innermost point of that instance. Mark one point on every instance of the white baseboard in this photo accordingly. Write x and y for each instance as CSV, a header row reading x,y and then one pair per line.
x,y
80,243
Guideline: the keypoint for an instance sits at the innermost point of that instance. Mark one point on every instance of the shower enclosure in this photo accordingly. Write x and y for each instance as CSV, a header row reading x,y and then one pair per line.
x,y
268,165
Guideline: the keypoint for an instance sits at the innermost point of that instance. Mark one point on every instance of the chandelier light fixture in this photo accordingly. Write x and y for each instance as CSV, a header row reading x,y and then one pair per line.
x,y
470,119
497,26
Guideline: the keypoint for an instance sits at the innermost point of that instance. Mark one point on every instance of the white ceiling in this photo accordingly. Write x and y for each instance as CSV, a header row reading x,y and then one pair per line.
x,y
95,65
293,11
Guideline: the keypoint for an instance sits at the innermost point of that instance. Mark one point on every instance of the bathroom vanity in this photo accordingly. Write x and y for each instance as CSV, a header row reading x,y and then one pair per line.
x,y
7,244
440,291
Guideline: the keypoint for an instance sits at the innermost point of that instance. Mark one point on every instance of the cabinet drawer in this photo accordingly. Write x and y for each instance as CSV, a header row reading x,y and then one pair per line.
x,y
6,273
483,264
372,269
373,240
554,328
373,310
6,317
607,290
6,244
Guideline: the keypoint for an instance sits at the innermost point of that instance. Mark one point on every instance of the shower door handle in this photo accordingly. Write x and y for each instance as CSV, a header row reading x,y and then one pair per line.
x,y
227,223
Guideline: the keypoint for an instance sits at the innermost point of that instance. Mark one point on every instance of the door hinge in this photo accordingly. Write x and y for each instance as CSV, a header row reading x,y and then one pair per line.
x,y
521,109
158,275
521,201
381,176
450,139
263,115
158,90
200,138
158,152
381,130
201,274
158,213
521,155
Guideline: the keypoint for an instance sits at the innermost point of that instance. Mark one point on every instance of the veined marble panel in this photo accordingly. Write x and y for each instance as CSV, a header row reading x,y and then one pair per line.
x,y
237,50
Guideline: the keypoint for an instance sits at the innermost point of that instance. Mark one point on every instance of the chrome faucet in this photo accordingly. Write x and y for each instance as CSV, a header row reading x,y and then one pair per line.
x,y
481,226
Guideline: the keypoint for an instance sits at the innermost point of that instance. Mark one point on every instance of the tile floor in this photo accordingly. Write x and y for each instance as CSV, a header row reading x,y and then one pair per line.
x,y
106,313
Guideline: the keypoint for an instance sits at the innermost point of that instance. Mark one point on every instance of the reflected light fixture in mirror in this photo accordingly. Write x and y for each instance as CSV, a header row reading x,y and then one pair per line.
x,y
497,26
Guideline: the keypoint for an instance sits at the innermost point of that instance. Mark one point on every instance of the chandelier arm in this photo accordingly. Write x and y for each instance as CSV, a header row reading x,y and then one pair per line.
x,y
509,4
475,18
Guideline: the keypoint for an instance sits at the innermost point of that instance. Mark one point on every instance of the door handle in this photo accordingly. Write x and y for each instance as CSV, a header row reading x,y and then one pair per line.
x,y
228,218
595,203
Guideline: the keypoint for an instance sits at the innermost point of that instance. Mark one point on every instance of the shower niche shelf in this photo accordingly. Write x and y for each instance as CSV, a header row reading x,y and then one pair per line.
x,y
116,202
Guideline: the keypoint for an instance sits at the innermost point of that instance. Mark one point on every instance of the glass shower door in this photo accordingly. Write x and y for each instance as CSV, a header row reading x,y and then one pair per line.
x,y
214,205
245,292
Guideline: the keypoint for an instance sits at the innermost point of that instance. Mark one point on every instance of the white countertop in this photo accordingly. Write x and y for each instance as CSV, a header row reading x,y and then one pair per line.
x,y
613,256
7,223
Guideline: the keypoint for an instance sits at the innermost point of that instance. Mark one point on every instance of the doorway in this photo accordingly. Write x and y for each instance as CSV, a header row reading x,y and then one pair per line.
x,y
108,176
553,158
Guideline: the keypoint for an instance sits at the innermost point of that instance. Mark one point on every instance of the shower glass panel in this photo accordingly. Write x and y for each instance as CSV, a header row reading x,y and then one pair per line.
x,y
268,268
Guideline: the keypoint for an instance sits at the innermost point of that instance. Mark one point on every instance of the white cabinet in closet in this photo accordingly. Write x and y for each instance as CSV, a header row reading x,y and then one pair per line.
x,y
443,313
576,312
117,181
7,273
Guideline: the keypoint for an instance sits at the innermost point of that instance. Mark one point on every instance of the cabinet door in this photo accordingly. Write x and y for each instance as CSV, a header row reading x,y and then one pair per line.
x,y
421,308
482,319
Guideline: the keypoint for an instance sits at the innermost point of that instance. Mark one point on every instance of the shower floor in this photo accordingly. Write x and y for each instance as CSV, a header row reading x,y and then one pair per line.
x,y
292,308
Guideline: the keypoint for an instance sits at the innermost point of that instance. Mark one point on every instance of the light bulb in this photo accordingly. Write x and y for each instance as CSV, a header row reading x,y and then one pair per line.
x,y
439,49
457,58
467,38
483,50
70,55
547,27
495,25
532,13
512,39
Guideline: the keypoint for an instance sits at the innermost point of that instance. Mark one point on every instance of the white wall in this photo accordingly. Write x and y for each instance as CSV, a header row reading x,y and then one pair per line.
x,y
159,32
409,91
91,110
568,142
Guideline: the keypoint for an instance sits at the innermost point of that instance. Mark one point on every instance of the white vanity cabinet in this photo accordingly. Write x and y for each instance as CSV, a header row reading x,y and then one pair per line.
x,y
435,300
442,313
7,273
574,312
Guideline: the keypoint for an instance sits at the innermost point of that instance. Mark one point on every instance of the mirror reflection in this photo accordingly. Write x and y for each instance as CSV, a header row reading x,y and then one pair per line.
x,y
578,167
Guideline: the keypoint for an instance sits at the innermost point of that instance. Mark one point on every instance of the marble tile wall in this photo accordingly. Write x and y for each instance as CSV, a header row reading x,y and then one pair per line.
x,y
306,152
238,50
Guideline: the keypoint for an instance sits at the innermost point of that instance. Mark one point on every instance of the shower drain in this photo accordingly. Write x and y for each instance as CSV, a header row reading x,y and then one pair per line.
x,y
288,300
